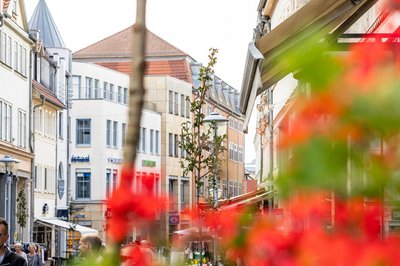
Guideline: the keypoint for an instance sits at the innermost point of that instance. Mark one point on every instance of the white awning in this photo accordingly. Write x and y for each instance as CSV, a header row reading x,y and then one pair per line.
x,y
67,225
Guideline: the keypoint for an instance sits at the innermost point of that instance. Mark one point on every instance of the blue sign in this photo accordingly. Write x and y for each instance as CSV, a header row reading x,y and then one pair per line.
x,y
173,218
79,159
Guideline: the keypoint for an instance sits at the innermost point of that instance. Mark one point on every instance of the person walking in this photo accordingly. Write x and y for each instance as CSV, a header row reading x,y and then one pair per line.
x,y
18,250
34,258
8,257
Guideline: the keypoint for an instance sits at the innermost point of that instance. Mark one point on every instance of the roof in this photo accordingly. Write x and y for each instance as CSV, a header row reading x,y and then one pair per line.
x,y
50,96
120,45
175,68
43,22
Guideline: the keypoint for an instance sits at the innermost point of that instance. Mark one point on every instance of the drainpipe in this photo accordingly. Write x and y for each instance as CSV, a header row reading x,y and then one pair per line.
x,y
271,142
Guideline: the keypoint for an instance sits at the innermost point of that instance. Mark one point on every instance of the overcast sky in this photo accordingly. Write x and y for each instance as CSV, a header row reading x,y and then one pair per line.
x,y
193,26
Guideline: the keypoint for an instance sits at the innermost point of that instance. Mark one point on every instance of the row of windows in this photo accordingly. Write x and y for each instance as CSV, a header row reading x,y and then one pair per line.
x,y
235,152
173,146
154,141
45,123
6,124
45,179
184,191
176,102
8,48
83,182
235,124
234,189
93,90
112,134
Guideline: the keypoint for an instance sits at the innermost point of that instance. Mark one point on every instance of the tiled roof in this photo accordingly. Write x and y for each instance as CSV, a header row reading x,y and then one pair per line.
x,y
6,3
119,45
50,96
174,68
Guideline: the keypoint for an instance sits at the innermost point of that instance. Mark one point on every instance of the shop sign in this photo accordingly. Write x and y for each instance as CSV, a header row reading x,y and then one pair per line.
x,y
395,214
79,159
115,160
62,214
148,163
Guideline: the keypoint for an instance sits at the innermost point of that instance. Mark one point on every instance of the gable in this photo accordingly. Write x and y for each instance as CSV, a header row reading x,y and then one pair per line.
x,y
16,10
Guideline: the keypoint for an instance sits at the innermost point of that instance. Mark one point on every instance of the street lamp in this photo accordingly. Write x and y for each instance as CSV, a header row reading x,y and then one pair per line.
x,y
219,124
10,167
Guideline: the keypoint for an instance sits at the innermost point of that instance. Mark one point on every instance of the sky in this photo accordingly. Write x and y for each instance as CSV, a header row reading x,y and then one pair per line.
x,y
193,26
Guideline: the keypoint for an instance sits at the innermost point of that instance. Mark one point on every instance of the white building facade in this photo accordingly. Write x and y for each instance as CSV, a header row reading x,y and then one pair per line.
x,y
99,117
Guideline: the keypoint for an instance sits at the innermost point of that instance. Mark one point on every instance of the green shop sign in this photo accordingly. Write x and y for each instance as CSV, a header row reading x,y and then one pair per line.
x,y
148,163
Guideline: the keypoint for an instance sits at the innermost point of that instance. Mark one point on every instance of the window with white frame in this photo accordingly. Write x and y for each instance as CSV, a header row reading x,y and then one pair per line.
x,y
176,105
108,133
125,95
35,181
97,91
108,182
6,124
176,145
89,88
182,105
21,128
119,94
14,7
170,144
235,150
111,92
45,181
143,139
114,180
230,151
105,90
240,154
123,136
170,102
83,180
140,139
187,107
61,125
83,131
182,149
157,139
151,140
115,134
76,87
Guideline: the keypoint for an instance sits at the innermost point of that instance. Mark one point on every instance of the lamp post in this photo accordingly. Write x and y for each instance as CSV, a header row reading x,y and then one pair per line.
x,y
10,167
219,125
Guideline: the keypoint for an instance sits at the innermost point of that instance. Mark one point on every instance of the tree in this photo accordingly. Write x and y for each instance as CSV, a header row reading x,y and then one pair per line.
x,y
201,147
22,209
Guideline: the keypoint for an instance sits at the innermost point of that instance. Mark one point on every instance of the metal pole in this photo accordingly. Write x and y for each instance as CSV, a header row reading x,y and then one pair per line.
x,y
215,189
9,183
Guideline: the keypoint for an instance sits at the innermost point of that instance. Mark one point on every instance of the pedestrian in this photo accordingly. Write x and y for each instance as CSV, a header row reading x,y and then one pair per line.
x,y
8,257
91,246
34,259
18,250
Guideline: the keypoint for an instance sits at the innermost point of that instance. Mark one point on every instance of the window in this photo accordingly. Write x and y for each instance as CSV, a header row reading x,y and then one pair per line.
x,y
125,95
240,154
83,185
144,139
176,106
105,90
230,151
89,88
184,194
36,177
182,149
151,140
182,105
157,140
108,133
123,137
3,42
140,137
5,117
21,129
83,133
14,7
119,95
76,87
170,144
187,107
60,125
235,152
176,145
97,92
45,179
170,102
108,182
115,134
114,181
111,91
